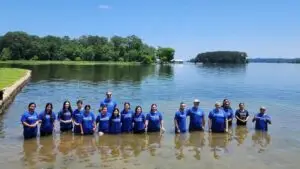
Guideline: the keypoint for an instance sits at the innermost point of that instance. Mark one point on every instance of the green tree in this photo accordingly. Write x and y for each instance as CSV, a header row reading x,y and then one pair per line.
x,y
165,54
233,57
5,54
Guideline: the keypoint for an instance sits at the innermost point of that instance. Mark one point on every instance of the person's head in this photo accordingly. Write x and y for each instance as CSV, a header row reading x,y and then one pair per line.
x,y
226,103
48,108
67,106
138,109
153,107
103,110
108,94
196,103
127,105
242,106
31,107
262,109
87,108
116,112
182,106
218,105
79,104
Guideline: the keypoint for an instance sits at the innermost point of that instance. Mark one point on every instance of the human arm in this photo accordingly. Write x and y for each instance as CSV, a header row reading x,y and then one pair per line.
x,y
176,124
161,123
210,116
203,121
226,127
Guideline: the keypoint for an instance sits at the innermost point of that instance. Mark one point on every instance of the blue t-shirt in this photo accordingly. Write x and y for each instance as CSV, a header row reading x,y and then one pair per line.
x,y
47,121
261,121
139,122
110,104
103,122
229,112
65,115
115,125
180,117
126,119
196,118
218,118
77,117
154,120
29,118
88,120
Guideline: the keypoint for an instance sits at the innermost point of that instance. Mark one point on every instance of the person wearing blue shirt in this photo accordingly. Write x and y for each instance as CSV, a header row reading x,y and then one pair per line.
x,y
30,120
197,117
154,120
115,122
77,116
109,103
103,121
180,119
218,122
47,119
88,124
262,120
139,120
126,118
65,117
228,110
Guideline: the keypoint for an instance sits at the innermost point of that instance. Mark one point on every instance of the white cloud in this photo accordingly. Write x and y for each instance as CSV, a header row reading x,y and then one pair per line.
x,y
104,7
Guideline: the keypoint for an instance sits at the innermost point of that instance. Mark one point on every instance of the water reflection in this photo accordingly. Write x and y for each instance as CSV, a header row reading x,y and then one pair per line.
x,y
153,142
261,140
218,144
180,141
47,151
30,153
241,133
197,142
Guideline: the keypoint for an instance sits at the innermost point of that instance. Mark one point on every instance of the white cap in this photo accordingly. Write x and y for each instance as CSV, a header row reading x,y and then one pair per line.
x,y
196,101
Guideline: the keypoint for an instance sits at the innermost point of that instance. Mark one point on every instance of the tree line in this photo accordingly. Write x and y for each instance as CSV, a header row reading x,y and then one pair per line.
x,y
274,60
22,46
229,57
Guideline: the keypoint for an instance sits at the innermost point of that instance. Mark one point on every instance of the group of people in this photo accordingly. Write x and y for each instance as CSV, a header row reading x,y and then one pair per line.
x,y
110,120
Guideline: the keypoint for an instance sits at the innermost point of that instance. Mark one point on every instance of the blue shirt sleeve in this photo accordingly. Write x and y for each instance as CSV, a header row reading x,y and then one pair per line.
x,y
176,116
210,115
98,119
23,118
41,116
160,117
148,117
188,112
93,117
144,118
59,115
53,116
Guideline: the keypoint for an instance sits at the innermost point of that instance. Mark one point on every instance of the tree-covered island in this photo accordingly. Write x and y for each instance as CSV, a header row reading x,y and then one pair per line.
x,y
220,57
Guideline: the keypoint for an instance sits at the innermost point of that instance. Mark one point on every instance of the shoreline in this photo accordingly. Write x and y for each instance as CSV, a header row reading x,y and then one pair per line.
x,y
11,91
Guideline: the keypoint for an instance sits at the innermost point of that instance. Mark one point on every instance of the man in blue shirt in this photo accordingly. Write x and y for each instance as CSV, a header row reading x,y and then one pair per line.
x,y
77,116
109,103
197,117
180,119
262,120
218,122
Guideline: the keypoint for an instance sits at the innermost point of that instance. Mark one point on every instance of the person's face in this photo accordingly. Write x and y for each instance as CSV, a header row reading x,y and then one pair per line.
x,y
227,104
139,110
87,109
196,104
262,110
104,110
182,106
108,95
154,108
79,105
218,106
242,106
49,108
127,106
116,112
32,107
67,105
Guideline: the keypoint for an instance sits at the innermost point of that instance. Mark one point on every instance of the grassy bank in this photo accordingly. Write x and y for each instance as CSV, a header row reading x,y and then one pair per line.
x,y
8,76
47,62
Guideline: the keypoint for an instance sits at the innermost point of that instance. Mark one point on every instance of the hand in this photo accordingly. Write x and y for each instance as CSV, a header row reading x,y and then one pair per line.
x,y
178,131
94,129
101,133
146,129
226,130
82,133
163,129
209,130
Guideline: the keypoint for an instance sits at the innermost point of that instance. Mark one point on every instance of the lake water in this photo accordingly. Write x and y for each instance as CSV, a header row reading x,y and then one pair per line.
x,y
276,86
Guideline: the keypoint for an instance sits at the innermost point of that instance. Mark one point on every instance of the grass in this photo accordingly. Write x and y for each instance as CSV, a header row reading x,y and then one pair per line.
x,y
47,62
8,76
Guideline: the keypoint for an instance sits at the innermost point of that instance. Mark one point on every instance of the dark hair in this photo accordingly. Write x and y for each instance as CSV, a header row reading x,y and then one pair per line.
x,y
182,103
30,104
113,115
225,100
126,103
79,102
241,104
137,108
152,106
102,107
51,112
70,108
87,106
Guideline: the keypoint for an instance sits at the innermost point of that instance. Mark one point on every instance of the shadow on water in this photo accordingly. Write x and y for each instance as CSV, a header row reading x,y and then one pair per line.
x,y
229,69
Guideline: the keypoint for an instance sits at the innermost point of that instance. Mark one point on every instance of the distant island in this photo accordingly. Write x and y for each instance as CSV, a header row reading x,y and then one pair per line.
x,y
221,57
22,46
274,60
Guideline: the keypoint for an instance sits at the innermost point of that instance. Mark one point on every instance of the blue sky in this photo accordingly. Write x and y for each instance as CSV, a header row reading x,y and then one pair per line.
x,y
262,28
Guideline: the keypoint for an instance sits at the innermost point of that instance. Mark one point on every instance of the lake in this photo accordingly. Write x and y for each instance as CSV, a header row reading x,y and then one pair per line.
x,y
276,86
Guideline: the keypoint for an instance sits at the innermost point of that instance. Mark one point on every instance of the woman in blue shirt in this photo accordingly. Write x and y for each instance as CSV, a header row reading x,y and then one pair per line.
x,y
154,120
47,119
126,118
262,120
30,121
76,117
139,120
218,122
228,110
88,125
180,119
103,121
115,122
65,117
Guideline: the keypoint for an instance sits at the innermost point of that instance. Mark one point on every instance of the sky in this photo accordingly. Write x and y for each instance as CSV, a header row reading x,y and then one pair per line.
x,y
262,28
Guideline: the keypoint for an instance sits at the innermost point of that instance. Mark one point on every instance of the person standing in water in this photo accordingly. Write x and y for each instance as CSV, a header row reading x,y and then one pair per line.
x,y
218,122
241,115
103,121
180,119
228,110
88,125
139,120
109,103
154,120
115,122
262,120
197,117
47,119
77,116
30,121
126,118
65,117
